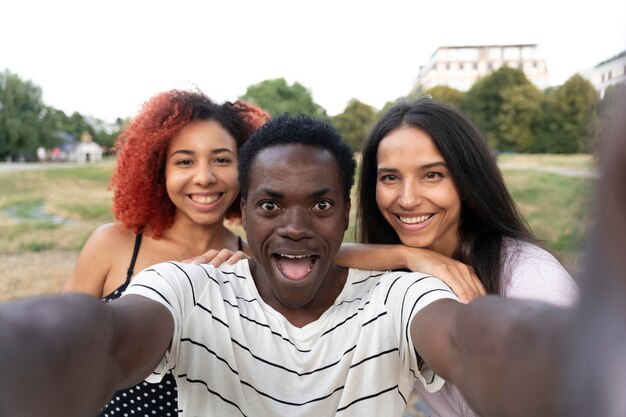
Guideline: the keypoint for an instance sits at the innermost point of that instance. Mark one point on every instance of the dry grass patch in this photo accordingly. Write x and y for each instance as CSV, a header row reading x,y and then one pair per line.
x,y
38,273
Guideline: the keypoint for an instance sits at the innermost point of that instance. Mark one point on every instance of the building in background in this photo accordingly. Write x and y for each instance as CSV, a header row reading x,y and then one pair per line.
x,y
607,73
460,66
87,150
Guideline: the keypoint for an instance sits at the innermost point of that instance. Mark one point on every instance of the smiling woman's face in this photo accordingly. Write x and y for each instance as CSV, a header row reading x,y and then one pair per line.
x,y
416,193
201,172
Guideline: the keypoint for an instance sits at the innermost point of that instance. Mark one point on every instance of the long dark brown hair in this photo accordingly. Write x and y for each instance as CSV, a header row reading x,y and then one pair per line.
x,y
488,213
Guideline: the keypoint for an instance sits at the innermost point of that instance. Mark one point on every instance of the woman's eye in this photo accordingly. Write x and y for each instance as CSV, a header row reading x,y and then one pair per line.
x,y
389,178
322,205
433,175
222,160
269,206
184,162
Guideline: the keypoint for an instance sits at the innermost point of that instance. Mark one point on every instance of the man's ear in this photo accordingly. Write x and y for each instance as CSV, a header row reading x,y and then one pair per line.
x,y
242,206
347,214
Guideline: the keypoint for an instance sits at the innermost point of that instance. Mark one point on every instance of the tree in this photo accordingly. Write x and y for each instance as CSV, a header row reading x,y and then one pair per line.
x,y
612,97
570,116
53,122
277,97
518,123
483,101
21,113
446,94
355,122
610,111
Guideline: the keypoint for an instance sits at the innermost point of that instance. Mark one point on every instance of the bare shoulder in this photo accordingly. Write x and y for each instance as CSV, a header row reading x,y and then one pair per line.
x,y
100,258
112,234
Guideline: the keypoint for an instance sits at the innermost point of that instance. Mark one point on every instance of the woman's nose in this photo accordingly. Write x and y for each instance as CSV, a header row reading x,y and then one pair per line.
x,y
204,176
410,196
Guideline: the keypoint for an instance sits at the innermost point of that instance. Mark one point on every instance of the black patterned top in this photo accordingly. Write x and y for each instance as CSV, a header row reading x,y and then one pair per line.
x,y
144,399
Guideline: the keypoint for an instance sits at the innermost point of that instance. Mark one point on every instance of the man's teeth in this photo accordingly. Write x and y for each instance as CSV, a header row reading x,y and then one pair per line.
x,y
205,199
293,256
414,219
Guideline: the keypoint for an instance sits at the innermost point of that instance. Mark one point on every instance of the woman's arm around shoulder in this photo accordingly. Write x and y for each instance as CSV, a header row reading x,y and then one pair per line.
x,y
458,276
108,244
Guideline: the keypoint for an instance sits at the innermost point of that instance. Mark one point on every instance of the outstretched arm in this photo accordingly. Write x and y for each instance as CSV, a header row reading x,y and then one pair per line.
x,y
503,354
459,277
65,355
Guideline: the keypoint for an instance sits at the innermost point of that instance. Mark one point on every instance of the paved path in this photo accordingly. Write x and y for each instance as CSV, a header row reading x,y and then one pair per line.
x,y
564,171
567,172
34,166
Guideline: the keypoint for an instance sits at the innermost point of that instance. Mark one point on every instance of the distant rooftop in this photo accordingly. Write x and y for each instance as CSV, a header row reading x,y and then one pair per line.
x,y
488,46
613,58
514,45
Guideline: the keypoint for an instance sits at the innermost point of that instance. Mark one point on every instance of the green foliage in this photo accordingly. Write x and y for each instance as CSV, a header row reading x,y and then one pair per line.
x,y
355,122
445,94
613,95
518,122
277,97
21,109
483,102
570,116
26,123
387,106
609,109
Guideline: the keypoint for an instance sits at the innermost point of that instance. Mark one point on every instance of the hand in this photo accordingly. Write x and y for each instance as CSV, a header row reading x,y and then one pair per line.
x,y
457,275
217,257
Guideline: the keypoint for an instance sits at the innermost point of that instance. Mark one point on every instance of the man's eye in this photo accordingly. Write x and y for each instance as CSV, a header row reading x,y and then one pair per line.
x,y
322,205
269,206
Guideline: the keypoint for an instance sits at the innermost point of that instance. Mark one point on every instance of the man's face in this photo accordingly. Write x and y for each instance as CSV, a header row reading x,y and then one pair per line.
x,y
295,216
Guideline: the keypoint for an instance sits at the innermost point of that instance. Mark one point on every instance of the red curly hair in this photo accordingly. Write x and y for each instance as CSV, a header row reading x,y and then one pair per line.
x,y
138,181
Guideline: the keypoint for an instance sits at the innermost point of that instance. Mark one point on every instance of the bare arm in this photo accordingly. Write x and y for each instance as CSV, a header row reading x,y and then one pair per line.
x,y
458,276
503,354
65,355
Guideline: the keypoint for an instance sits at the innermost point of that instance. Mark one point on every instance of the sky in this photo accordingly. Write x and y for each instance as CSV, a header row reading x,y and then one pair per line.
x,y
105,58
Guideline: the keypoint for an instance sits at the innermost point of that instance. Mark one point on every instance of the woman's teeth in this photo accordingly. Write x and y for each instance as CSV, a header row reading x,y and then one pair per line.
x,y
205,199
414,219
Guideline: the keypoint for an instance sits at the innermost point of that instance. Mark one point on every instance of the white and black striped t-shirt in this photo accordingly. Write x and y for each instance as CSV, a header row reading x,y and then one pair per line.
x,y
234,355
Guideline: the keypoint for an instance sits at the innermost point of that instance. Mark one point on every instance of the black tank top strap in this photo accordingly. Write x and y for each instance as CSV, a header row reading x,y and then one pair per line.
x,y
131,266
239,243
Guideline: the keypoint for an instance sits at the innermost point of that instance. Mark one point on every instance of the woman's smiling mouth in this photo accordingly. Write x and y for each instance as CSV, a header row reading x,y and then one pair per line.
x,y
205,199
414,219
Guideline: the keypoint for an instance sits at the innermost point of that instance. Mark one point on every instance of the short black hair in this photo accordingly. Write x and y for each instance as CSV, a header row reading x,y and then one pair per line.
x,y
297,129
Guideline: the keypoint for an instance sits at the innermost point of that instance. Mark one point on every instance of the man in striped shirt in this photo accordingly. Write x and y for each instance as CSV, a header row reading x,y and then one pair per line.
x,y
286,333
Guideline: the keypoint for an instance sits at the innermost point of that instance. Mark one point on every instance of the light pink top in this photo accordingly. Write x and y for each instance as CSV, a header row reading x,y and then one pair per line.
x,y
532,273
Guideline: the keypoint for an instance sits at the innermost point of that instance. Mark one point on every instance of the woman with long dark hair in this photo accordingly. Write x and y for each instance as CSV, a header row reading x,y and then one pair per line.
x,y
430,190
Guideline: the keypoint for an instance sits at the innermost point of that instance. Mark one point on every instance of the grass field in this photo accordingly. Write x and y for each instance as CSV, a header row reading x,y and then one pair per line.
x,y
46,216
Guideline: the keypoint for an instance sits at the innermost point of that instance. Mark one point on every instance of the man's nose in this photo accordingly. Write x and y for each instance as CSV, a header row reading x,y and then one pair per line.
x,y
296,224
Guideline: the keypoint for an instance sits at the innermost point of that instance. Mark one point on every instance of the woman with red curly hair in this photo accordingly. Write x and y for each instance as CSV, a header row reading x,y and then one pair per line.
x,y
174,184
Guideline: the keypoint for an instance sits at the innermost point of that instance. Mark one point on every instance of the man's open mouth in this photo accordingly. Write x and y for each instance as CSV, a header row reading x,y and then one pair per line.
x,y
295,267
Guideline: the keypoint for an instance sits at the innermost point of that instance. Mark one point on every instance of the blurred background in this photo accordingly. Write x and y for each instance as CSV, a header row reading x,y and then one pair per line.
x,y
539,78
